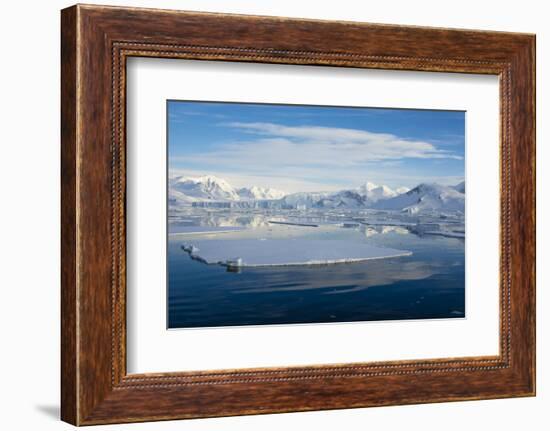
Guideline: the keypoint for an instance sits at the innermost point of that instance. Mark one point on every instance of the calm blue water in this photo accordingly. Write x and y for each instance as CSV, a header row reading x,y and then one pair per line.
x,y
429,284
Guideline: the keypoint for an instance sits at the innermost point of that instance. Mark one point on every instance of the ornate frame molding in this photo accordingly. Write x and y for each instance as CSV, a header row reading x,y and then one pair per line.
x,y
96,41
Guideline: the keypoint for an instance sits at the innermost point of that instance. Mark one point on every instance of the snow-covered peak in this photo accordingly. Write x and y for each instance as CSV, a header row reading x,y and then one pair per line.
x,y
401,190
205,187
432,188
381,193
209,187
374,192
460,187
207,180
260,193
426,197
343,199
364,189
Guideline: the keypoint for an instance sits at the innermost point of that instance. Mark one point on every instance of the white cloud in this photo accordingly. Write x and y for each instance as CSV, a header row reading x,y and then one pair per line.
x,y
358,145
313,158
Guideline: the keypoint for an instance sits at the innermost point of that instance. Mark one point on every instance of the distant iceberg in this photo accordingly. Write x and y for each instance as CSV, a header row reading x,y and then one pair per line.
x,y
285,252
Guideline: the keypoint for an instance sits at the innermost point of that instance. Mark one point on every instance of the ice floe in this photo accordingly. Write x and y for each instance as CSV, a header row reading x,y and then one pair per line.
x,y
447,234
191,230
285,252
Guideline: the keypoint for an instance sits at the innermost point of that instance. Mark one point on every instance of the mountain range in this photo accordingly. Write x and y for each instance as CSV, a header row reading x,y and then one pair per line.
x,y
211,191
211,188
426,197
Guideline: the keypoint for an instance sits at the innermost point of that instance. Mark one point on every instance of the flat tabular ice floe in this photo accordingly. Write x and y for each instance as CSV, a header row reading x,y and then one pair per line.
x,y
287,252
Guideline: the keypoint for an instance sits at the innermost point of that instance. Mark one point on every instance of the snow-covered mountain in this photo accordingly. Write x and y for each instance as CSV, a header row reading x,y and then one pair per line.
x,y
374,193
343,199
207,187
209,191
367,188
259,193
460,187
426,197
302,199
210,188
362,197
176,197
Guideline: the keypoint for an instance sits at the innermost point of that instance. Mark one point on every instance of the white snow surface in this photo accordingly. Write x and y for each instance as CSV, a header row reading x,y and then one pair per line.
x,y
286,252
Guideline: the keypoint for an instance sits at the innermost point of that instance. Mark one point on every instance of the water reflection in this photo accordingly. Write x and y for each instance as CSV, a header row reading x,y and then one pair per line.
x,y
428,284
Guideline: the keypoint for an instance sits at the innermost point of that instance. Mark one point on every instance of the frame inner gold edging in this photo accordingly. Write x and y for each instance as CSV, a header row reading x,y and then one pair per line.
x,y
119,378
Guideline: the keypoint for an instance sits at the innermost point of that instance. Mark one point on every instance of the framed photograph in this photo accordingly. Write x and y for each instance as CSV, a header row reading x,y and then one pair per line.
x,y
263,214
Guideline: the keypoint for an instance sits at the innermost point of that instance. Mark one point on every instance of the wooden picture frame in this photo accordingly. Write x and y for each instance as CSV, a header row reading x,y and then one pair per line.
x,y
95,43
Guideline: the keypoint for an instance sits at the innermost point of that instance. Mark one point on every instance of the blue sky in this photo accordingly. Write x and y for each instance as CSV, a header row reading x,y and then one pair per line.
x,y
314,148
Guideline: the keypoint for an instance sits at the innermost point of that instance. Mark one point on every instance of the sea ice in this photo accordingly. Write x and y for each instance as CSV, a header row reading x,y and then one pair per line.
x,y
446,233
189,230
285,252
388,222
349,225
290,223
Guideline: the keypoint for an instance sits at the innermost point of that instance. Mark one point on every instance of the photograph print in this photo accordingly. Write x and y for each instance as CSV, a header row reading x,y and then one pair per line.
x,y
295,214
